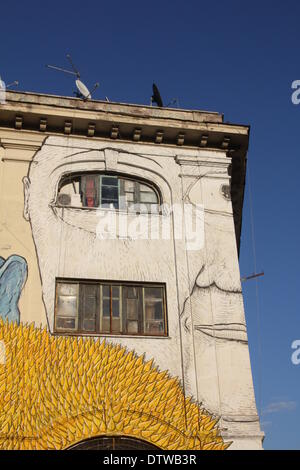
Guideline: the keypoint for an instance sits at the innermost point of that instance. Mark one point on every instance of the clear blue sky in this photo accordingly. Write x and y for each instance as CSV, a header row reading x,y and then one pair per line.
x,y
235,57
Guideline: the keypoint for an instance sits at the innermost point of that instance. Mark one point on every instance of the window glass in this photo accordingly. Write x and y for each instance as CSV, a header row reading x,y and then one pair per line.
x,y
148,197
106,291
106,307
110,180
67,306
109,192
89,300
153,302
153,292
63,323
106,191
115,292
94,307
115,308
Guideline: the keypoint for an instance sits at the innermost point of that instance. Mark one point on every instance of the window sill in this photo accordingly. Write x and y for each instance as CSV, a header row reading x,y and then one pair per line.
x,y
106,209
107,335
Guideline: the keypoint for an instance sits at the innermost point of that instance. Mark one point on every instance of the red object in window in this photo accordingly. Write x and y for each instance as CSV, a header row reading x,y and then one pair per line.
x,y
90,191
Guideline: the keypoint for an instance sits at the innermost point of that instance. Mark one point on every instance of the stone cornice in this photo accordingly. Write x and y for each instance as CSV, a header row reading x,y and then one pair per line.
x,y
35,116
52,114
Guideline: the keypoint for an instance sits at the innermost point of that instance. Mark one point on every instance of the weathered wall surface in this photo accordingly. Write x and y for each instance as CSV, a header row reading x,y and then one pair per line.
x,y
206,347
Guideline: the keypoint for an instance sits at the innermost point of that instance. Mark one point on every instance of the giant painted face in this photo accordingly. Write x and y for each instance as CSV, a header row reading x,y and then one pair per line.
x,y
65,237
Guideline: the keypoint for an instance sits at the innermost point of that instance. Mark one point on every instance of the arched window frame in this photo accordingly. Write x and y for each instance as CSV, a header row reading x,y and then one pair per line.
x,y
137,180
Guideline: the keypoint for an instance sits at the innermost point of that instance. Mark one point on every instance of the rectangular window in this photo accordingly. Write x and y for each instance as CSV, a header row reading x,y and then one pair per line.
x,y
95,307
90,190
109,192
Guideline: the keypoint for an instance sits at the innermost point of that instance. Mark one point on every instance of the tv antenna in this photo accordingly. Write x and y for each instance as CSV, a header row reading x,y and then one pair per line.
x,y
174,101
82,90
252,276
156,98
3,84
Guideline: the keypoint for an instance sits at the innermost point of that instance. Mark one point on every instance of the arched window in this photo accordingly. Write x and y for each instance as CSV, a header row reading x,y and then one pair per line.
x,y
107,190
113,443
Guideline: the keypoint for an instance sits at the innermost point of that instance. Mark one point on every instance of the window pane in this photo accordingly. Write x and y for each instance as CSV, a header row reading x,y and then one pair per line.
x,y
105,325
132,292
158,311
132,327
129,197
109,180
116,292
144,187
153,309
106,291
154,327
89,306
89,325
115,325
89,293
106,307
132,309
67,289
155,292
108,204
109,193
67,305
65,323
148,197
149,310
115,308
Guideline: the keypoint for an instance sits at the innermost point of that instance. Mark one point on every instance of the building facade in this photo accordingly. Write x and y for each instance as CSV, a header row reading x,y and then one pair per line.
x,y
122,222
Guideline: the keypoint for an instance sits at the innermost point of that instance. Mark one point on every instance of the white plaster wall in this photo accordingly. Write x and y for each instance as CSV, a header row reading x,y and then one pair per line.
x,y
207,342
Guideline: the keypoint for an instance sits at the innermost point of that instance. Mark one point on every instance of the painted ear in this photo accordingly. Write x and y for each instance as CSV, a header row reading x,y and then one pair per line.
x,y
26,185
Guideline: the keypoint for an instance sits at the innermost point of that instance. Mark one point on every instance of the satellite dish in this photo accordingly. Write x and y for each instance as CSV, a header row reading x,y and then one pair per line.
x,y
83,92
156,98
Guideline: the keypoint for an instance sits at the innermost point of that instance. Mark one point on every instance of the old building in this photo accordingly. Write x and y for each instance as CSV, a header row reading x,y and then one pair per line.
x,y
122,222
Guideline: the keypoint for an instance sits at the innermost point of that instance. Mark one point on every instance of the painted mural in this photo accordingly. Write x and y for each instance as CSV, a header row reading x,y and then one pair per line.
x,y
13,275
57,391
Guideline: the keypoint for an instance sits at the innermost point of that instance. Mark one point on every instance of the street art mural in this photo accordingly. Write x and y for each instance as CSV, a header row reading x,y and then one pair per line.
x,y
58,390
13,275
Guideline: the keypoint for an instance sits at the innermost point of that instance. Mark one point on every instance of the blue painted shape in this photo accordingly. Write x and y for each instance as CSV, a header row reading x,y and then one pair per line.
x,y
13,275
